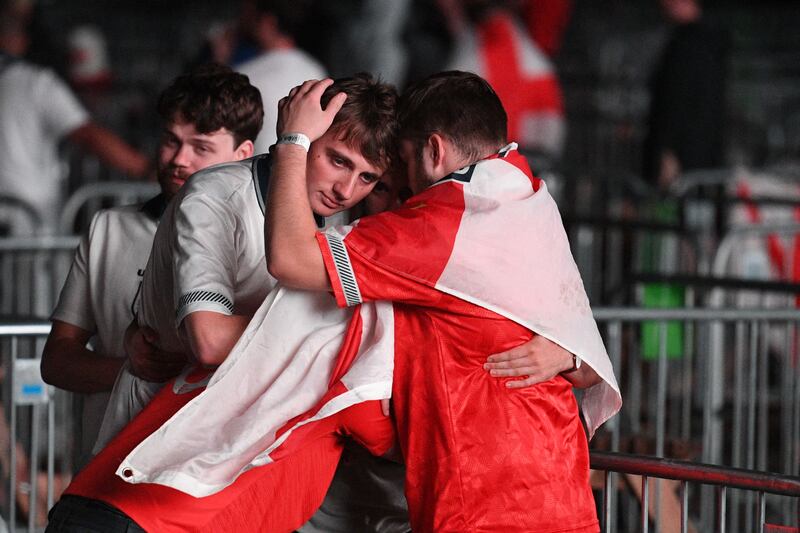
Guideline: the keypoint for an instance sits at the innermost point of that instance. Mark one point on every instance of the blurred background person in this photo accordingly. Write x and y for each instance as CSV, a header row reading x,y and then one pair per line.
x,y
688,95
280,65
37,112
360,36
88,67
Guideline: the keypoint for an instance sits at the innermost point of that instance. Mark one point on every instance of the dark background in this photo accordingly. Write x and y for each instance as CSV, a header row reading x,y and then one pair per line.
x,y
604,64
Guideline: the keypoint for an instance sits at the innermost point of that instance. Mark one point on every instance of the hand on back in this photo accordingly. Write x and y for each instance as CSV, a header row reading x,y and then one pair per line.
x,y
537,360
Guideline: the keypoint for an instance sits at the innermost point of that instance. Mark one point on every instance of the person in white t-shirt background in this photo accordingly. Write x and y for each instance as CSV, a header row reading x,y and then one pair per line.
x,y
210,116
206,275
281,65
37,112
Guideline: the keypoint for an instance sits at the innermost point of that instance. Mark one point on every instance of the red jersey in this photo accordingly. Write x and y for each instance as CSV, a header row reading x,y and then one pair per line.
x,y
479,456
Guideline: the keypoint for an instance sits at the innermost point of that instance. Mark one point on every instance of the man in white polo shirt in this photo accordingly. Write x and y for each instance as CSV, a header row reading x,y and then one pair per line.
x,y
98,296
206,277
207,273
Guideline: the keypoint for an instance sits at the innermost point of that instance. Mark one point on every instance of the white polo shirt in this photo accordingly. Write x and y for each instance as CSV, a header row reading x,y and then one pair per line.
x,y
207,255
208,252
99,292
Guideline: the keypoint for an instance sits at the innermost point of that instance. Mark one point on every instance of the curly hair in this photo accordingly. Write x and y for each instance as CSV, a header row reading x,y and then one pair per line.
x,y
212,97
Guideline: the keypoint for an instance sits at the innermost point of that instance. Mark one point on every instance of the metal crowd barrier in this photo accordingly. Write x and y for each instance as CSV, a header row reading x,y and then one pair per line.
x,y
32,270
95,196
609,250
18,216
679,399
30,408
750,419
649,468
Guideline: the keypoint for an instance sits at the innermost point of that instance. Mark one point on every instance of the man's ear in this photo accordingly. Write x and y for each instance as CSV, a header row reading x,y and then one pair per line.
x,y
244,150
438,153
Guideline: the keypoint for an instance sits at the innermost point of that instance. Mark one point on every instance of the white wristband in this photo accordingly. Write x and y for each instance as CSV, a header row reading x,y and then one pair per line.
x,y
299,139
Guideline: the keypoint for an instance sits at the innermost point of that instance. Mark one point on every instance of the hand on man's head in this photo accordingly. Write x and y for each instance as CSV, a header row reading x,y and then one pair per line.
x,y
301,111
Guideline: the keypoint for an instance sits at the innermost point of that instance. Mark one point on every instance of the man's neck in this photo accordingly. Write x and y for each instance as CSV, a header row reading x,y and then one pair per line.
x,y
467,161
274,43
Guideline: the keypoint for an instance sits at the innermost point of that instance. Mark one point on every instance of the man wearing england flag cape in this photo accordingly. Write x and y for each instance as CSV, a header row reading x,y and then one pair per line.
x,y
476,262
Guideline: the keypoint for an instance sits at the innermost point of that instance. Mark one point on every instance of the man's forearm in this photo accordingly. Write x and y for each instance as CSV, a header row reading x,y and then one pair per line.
x,y
110,149
584,377
293,255
69,365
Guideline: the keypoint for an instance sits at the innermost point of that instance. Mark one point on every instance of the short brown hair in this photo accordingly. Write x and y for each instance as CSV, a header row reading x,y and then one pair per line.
x,y
368,118
211,97
460,106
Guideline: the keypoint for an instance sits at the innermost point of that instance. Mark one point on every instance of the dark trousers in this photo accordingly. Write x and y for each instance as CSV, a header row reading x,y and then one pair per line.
x,y
75,514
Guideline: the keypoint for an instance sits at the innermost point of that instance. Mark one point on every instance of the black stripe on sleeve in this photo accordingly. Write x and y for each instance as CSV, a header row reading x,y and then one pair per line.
x,y
205,296
344,269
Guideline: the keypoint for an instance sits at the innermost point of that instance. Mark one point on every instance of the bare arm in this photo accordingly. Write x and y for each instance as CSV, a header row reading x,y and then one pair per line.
x,y
293,255
110,149
539,359
68,364
584,377
211,336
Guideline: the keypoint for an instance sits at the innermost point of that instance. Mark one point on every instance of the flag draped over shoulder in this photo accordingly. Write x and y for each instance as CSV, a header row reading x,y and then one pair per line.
x,y
510,255
300,359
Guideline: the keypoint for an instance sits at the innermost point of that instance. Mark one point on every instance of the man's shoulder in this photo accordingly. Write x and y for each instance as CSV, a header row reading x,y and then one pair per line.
x,y
122,215
292,59
14,66
20,73
221,180
121,228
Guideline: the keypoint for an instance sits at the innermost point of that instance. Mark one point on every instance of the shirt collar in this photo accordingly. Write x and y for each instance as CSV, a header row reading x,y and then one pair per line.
x,y
262,168
465,174
155,207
